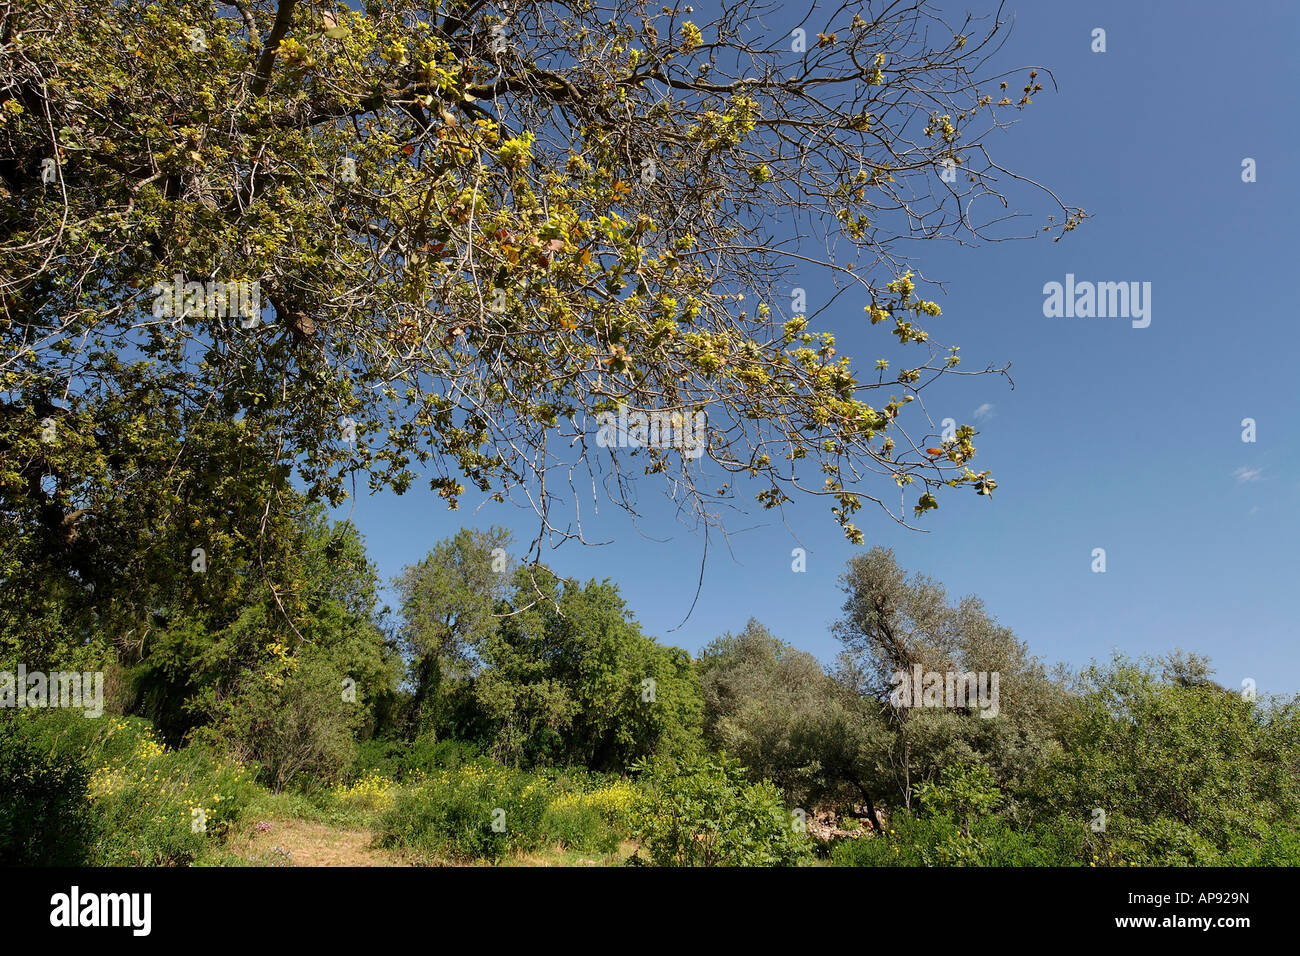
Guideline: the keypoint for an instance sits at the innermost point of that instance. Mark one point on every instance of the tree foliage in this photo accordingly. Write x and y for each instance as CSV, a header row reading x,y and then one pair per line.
x,y
776,709
475,227
449,608
893,623
568,676
1177,756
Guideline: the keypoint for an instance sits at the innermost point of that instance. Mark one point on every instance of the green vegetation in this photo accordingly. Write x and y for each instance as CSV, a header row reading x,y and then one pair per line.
x,y
119,798
531,236
518,717
707,814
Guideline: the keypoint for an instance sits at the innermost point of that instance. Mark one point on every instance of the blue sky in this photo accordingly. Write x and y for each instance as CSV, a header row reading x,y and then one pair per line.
x,y
1113,437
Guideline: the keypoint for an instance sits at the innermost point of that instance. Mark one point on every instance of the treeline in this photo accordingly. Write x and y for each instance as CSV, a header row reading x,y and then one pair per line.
x,y
504,707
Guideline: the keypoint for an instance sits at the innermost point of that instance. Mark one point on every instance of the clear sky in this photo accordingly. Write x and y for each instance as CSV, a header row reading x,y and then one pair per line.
x,y
1114,437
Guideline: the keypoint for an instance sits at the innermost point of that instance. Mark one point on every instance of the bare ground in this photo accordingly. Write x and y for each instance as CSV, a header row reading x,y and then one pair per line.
x,y
291,842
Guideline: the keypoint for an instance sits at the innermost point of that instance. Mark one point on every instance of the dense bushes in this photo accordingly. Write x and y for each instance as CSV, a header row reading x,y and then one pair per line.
x,y
992,841
1185,771
940,841
704,812
296,725
478,811
484,811
402,760
44,819
594,822
954,825
957,825
122,798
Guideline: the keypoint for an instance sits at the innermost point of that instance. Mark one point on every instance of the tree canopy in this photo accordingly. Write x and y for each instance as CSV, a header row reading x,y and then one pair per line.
x,y
440,239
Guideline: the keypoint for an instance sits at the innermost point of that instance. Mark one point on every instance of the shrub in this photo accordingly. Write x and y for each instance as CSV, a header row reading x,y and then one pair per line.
x,y
477,811
382,756
405,761
941,841
44,818
577,825
150,804
1161,842
1185,767
963,793
140,796
373,792
427,754
1265,845
592,822
297,728
703,812
910,841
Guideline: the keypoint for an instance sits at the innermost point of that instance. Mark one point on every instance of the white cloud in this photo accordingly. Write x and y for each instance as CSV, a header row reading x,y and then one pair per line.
x,y
1244,474
984,411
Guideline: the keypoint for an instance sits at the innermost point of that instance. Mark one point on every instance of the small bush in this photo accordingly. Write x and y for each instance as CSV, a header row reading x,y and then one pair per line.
x,y
161,806
477,811
373,792
592,822
941,841
704,812
404,761
1162,842
576,825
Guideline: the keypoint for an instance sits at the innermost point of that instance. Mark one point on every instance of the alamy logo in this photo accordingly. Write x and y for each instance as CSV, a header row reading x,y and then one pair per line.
x,y
1102,300
134,910
652,429
949,689
56,689
213,300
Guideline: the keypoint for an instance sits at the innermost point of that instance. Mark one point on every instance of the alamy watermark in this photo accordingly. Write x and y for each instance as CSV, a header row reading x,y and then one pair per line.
x,y
950,689
652,429
32,689
1102,300
75,908
213,299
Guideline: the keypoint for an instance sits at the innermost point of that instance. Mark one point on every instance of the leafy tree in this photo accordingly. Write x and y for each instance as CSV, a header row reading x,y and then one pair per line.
x,y
293,689
124,501
1175,757
165,545
776,709
961,793
299,727
449,603
569,677
476,227
893,623
199,658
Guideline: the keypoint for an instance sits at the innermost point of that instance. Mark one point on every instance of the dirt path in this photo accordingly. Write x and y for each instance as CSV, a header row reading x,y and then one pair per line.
x,y
289,842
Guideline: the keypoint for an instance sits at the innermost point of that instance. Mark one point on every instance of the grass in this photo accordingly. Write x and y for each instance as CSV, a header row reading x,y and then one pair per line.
x,y
340,827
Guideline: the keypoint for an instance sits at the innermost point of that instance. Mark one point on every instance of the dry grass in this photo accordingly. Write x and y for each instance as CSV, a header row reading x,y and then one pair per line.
x,y
290,842
296,842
